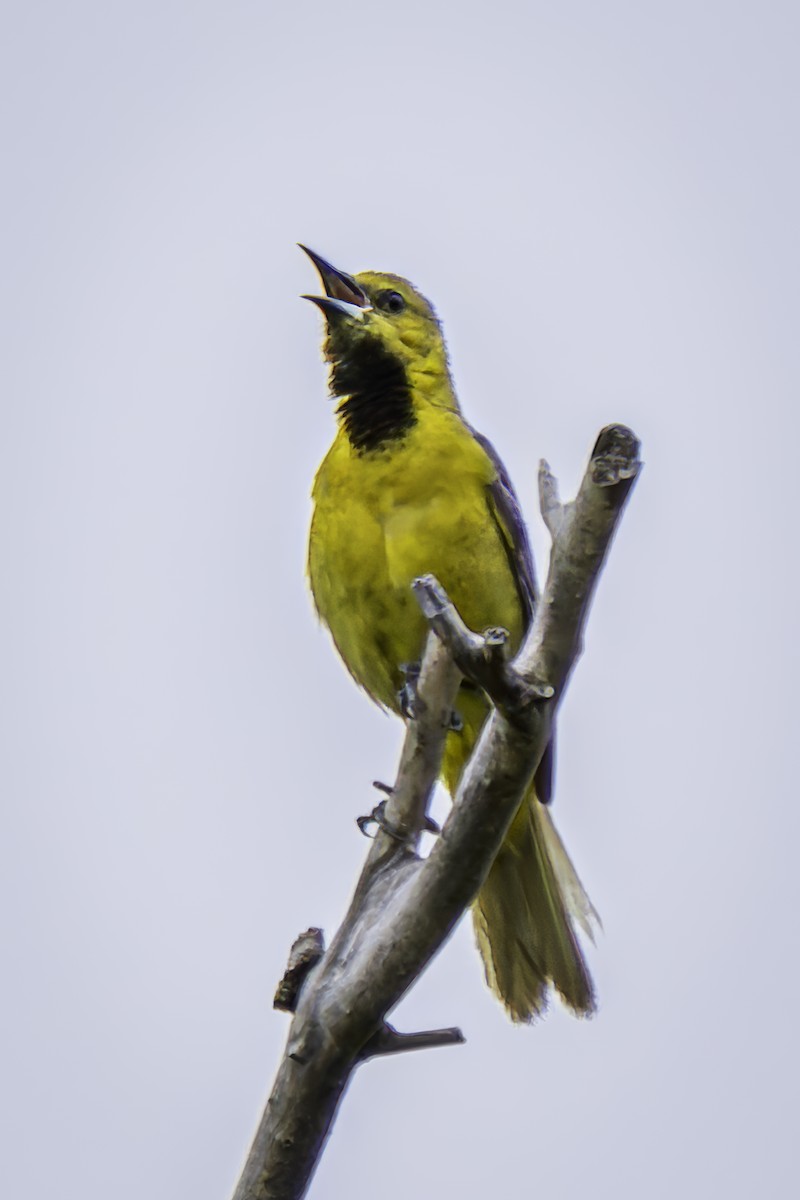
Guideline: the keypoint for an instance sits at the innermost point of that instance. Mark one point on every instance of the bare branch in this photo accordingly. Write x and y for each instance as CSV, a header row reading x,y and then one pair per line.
x,y
421,756
550,506
481,658
388,1041
404,908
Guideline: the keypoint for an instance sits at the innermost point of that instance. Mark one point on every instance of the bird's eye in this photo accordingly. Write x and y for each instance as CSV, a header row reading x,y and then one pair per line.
x,y
391,302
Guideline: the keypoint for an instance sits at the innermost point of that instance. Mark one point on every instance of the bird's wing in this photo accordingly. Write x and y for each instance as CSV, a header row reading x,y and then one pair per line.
x,y
505,509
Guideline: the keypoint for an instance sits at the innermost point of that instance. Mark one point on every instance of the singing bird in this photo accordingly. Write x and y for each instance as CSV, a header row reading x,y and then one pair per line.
x,y
408,488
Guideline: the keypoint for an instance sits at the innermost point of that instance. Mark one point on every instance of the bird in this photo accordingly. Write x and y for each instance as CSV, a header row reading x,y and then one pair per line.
x,y
408,488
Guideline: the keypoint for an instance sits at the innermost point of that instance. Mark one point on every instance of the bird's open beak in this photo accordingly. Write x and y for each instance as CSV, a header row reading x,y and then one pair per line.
x,y
342,293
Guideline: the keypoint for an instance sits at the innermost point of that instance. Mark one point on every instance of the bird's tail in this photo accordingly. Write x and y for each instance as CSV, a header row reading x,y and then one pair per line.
x,y
526,916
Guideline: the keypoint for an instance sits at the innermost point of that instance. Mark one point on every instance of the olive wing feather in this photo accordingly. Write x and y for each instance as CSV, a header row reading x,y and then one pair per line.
x,y
507,514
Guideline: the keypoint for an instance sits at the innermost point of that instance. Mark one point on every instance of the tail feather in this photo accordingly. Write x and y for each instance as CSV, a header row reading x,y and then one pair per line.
x,y
580,909
525,917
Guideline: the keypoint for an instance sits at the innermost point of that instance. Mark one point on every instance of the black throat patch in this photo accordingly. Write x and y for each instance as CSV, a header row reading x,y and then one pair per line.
x,y
377,404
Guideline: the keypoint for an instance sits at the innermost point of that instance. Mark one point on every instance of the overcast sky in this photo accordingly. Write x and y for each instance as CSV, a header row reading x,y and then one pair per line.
x,y
601,200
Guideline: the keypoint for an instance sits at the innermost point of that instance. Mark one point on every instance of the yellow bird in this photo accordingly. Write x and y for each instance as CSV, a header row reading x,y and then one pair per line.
x,y
407,488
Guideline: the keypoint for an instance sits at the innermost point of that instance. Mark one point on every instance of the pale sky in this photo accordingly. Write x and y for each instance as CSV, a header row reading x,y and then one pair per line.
x,y
601,200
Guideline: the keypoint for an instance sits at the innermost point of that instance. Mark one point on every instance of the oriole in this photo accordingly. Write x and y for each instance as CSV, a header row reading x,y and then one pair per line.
x,y
407,488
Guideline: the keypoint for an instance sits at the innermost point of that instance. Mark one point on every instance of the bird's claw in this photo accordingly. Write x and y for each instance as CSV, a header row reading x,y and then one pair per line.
x,y
406,697
378,818
456,723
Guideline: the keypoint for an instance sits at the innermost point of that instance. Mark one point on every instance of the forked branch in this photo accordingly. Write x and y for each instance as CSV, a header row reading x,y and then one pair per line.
x,y
404,907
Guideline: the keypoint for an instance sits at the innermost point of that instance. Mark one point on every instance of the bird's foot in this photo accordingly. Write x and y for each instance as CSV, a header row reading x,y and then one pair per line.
x,y
378,818
406,697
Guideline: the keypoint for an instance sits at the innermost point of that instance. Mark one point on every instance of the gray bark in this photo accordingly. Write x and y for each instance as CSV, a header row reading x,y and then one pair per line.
x,y
404,907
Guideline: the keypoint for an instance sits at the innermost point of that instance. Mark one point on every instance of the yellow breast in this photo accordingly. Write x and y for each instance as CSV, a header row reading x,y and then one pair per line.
x,y
383,518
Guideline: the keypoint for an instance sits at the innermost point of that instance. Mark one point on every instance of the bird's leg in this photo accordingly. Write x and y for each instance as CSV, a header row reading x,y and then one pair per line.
x,y
378,817
407,696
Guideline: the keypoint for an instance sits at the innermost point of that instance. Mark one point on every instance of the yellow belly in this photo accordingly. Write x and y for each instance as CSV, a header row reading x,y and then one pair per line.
x,y
382,519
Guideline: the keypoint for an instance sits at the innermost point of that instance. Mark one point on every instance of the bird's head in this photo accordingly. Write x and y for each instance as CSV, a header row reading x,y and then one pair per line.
x,y
380,323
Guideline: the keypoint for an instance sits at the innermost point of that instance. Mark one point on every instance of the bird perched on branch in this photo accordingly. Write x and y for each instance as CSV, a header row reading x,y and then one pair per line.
x,y
407,488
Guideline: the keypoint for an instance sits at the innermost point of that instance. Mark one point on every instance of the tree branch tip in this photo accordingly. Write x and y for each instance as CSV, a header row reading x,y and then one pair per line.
x,y
550,506
615,457
481,658
445,619
547,480
495,639
431,596
387,1040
